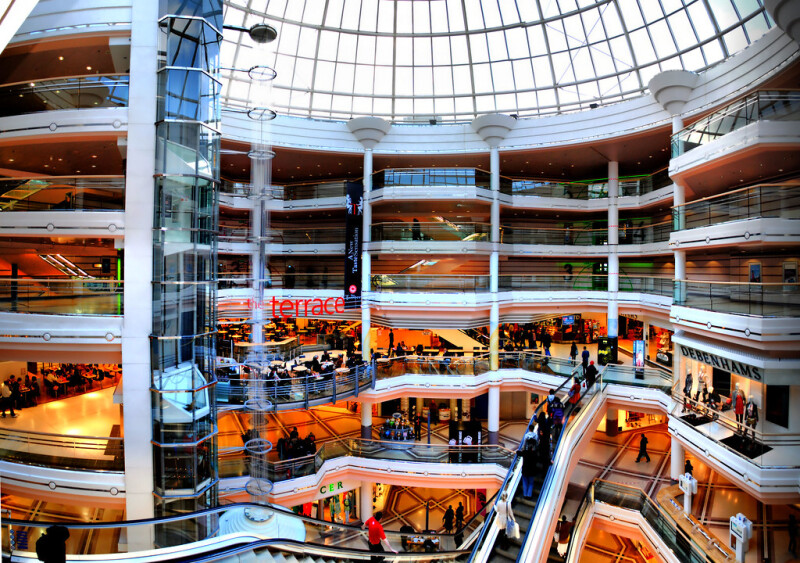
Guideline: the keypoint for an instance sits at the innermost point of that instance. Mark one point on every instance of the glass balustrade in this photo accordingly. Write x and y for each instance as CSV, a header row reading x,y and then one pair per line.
x,y
80,92
294,192
350,544
88,296
638,377
307,280
653,285
683,546
644,234
591,189
568,236
64,193
412,283
241,233
432,178
760,299
438,232
79,453
771,105
233,461
767,201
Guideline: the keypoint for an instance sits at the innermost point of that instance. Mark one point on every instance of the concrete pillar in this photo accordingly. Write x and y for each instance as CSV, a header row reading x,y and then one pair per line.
x,y
367,213
138,271
494,273
493,422
613,249
453,409
676,461
677,123
678,199
420,404
404,406
529,407
494,336
366,420
465,409
612,421
365,501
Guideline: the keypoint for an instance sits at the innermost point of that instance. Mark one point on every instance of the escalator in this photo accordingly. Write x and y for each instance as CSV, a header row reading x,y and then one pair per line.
x,y
493,549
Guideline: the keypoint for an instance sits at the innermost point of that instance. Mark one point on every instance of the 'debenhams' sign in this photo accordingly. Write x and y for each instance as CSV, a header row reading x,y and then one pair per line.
x,y
739,368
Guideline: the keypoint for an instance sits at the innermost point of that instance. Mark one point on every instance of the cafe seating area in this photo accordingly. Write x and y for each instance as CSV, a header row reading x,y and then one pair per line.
x,y
57,381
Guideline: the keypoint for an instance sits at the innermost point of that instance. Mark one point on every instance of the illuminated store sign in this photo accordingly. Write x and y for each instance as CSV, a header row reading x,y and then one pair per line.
x,y
719,362
306,307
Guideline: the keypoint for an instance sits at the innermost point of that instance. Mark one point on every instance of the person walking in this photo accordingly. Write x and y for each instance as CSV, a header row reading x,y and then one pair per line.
x,y
460,516
447,520
376,537
505,520
563,532
416,233
687,467
573,353
643,449
575,394
391,342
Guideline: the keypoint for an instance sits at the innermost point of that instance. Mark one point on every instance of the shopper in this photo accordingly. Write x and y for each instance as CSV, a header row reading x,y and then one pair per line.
x,y
575,394
376,537
6,402
51,547
687,467
591,375
585,359
563,532
643,449
573,353
529,458
504,520
460,516
448,518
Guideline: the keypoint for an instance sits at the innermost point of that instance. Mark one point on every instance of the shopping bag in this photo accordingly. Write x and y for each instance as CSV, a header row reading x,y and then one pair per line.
x,y
512,529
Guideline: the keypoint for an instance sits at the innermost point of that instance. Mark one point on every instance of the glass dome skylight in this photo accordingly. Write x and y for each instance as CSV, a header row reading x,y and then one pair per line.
x,y
450,60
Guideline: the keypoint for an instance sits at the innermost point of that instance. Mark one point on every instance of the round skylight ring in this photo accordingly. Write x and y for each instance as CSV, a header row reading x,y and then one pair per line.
x,y
261,154
261,114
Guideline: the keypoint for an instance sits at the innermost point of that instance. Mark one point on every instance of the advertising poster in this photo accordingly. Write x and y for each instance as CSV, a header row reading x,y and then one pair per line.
x,y
353,242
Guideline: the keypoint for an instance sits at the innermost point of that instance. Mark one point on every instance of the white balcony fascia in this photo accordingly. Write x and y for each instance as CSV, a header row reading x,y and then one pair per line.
x,y
306,204
327,249
98,484
26,327
237,202
638,201
739,232
748,327
429,300
431,193
773,134
646,249
616,519
51,18
64,122
430,247
228,247
547,250
105,224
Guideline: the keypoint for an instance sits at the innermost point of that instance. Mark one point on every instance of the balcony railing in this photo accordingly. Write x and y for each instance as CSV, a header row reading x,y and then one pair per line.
x,y
772,105
234,463
307,280
63,193
585,282
83,453
444,231
565,236
432,178
413,283
294,192
386,368
592,189
767,201
644,234
759,299
61,297
324,235
79,92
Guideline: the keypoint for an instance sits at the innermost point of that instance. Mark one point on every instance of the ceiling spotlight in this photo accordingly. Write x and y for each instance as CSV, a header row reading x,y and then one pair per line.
x,y
594,105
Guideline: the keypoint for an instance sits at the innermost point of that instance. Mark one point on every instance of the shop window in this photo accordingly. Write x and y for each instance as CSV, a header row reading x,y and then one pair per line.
x,y
721,381
777,411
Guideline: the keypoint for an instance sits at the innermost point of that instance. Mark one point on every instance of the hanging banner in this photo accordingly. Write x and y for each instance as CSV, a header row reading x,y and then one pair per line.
x,y
353,240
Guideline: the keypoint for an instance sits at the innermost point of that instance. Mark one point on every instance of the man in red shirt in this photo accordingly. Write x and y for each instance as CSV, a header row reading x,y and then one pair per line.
x,y
376,537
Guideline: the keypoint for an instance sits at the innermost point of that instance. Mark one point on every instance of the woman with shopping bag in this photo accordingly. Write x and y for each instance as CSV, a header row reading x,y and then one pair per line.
x,y
505,521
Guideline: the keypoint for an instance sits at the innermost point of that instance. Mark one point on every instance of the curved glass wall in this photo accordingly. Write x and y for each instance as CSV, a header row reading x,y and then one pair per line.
x,y
185,265
451,60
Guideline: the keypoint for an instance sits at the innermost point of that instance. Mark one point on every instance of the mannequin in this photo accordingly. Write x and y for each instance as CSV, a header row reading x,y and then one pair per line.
x,y
701,382
687,391
738,407
751,416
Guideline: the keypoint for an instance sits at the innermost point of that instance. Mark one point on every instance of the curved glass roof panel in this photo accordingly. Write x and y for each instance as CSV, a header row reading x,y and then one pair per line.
x,y
450,60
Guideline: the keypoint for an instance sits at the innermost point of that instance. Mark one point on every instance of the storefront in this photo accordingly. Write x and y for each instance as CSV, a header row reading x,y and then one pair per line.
x,y
335,501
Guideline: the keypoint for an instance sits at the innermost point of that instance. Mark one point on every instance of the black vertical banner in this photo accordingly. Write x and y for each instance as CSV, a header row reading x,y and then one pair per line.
x,y
353,240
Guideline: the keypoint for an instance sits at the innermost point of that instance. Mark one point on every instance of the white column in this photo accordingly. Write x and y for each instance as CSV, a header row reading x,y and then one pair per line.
x,y
404,404
366,420
494,336
494,183
678,199
677,123
420,404
612,421
529,406
138,271
494,273
366,326
613,248
365,502
453,409
367,213
676,458
493,422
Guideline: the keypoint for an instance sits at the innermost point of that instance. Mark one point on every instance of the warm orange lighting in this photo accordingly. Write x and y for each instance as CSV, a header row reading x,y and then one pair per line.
x,y
88,68
60,58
